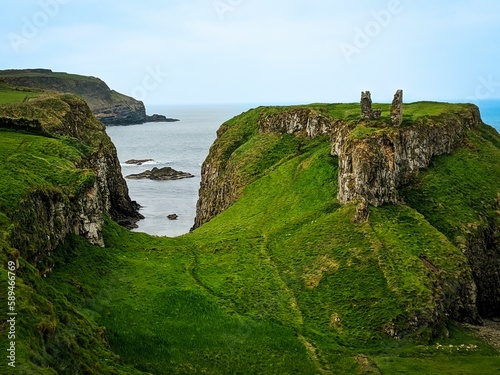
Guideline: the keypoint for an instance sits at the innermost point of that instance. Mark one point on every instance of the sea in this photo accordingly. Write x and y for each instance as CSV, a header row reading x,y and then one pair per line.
x,y
183,146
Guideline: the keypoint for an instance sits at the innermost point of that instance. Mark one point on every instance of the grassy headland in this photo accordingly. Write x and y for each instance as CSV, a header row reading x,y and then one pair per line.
x,y
281,282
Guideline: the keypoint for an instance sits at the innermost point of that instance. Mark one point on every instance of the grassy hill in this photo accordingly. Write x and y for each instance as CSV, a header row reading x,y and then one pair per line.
x,y
109,106
283,281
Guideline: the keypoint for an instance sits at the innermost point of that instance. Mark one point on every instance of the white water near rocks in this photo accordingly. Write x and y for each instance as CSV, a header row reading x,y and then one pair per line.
x,y
184,146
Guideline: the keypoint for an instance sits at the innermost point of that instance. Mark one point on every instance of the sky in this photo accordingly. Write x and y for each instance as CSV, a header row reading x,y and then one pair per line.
x,y
263,51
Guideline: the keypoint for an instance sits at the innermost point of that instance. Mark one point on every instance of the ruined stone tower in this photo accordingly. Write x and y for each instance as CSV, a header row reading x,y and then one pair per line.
x,y
367,113
397,109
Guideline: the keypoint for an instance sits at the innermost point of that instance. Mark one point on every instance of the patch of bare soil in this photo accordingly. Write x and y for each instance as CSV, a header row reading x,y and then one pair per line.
x,y
490,332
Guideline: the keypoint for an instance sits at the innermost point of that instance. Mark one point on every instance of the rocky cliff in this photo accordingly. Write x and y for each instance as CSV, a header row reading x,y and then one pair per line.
x,y
93,186
109,106
375,161
374,165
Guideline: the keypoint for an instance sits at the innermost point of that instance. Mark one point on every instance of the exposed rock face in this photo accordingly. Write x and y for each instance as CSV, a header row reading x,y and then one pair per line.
x,y
122,114
109,106
367,113
483,252
397,109
373,168
165,173
53,215
304,121
370,169
219,188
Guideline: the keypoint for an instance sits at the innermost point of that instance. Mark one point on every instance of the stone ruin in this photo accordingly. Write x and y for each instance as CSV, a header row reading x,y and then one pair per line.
x,y
367,113
397,109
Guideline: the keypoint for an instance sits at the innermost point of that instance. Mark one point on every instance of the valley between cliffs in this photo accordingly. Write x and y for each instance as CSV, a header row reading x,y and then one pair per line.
x,y
324,243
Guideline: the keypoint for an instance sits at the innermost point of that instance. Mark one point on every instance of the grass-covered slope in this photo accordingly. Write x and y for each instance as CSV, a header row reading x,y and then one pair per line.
x,y
282,282
110,106
51,336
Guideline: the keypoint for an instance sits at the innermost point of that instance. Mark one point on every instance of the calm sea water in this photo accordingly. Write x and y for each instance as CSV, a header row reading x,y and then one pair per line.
x,y
181,145
184,146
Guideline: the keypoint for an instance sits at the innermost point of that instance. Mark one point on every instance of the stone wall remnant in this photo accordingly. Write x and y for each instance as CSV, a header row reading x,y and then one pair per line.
x,y
367,113
397,109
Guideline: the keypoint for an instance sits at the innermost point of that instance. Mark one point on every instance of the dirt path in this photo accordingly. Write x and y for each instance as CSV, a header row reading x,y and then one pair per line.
x,y
490,332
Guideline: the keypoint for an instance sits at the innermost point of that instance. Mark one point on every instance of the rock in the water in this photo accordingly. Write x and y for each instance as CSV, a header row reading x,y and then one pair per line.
x,y
165,173
397,109
138,161
160,118
172,217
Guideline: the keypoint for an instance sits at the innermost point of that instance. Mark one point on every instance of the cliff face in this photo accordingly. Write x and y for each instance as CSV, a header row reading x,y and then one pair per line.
x,y
47,213
375,160
109,106
373,167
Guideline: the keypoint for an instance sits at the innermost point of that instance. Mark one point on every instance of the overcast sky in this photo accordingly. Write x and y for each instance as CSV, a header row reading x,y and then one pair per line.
x,y
263,51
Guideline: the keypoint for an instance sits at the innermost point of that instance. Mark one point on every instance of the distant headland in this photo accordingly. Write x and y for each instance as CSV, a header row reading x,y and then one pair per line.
x,y
109,106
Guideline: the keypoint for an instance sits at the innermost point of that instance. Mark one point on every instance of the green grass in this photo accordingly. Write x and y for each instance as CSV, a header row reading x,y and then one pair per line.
x,y
9,96
282,282
32,162
292,258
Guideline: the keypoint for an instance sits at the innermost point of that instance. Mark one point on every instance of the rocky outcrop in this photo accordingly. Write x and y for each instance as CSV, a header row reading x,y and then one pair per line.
x,y
372,168
482,249
162,174
109,106
126,113
160,118
47,216
301,121
138,161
